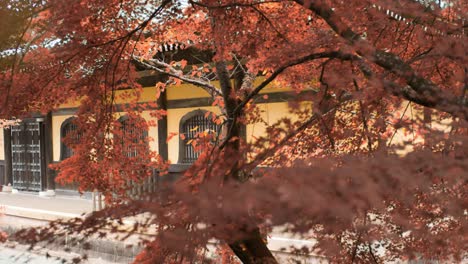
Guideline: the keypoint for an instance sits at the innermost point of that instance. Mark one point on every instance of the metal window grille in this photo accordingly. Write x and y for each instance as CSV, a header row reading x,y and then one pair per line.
x,y
137,136
190,128
69,129
136,142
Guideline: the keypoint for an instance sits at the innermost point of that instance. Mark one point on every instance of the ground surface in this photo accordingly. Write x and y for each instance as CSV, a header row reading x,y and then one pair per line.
x,y
20,255
62,204
30,210
12,253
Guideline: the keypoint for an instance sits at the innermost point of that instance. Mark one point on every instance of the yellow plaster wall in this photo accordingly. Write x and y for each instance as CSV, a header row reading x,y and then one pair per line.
x,y
188,91
173,122
56,140
185,91
122,96
58,120
402,135
147,94
272,87
177,92
70,104
270,113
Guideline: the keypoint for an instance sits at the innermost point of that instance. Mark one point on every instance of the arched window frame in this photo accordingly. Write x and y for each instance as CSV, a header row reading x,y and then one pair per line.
x,y
187,117
63,146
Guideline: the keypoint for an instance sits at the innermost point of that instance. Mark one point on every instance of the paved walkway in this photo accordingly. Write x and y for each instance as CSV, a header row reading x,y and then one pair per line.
x,y
22,255
43,208
25,210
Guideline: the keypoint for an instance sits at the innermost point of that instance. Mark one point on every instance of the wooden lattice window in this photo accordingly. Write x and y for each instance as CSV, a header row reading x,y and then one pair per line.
x,y
136,137
192,124
70,131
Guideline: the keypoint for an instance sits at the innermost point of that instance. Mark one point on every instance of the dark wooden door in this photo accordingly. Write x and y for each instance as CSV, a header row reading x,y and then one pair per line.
x,y
26,156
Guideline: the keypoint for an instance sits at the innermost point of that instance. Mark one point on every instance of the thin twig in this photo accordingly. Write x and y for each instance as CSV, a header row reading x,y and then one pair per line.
x,y
401,118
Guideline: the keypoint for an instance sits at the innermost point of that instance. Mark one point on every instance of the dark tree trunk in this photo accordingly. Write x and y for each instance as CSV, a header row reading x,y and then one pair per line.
x,y
251,249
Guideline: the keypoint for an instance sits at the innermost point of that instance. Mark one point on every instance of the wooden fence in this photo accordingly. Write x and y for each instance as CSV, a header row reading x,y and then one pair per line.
x,y
147,186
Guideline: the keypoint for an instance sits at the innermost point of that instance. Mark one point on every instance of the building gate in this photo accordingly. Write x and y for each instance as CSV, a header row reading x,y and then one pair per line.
x,y
26,156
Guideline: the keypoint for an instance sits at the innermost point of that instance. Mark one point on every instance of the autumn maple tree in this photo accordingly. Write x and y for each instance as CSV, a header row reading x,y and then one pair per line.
x,y
331,172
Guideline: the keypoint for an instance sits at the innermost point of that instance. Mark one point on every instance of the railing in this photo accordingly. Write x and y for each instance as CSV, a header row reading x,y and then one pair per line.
x,y
137,191
63,186
147,186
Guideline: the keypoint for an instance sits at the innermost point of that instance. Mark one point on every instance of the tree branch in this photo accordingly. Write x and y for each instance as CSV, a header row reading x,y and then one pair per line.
x,y
364,119
310,57
169,70
427,93
230,5
141,26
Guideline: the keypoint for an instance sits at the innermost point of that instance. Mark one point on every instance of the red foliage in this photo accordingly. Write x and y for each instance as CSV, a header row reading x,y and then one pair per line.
x,y
330,170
